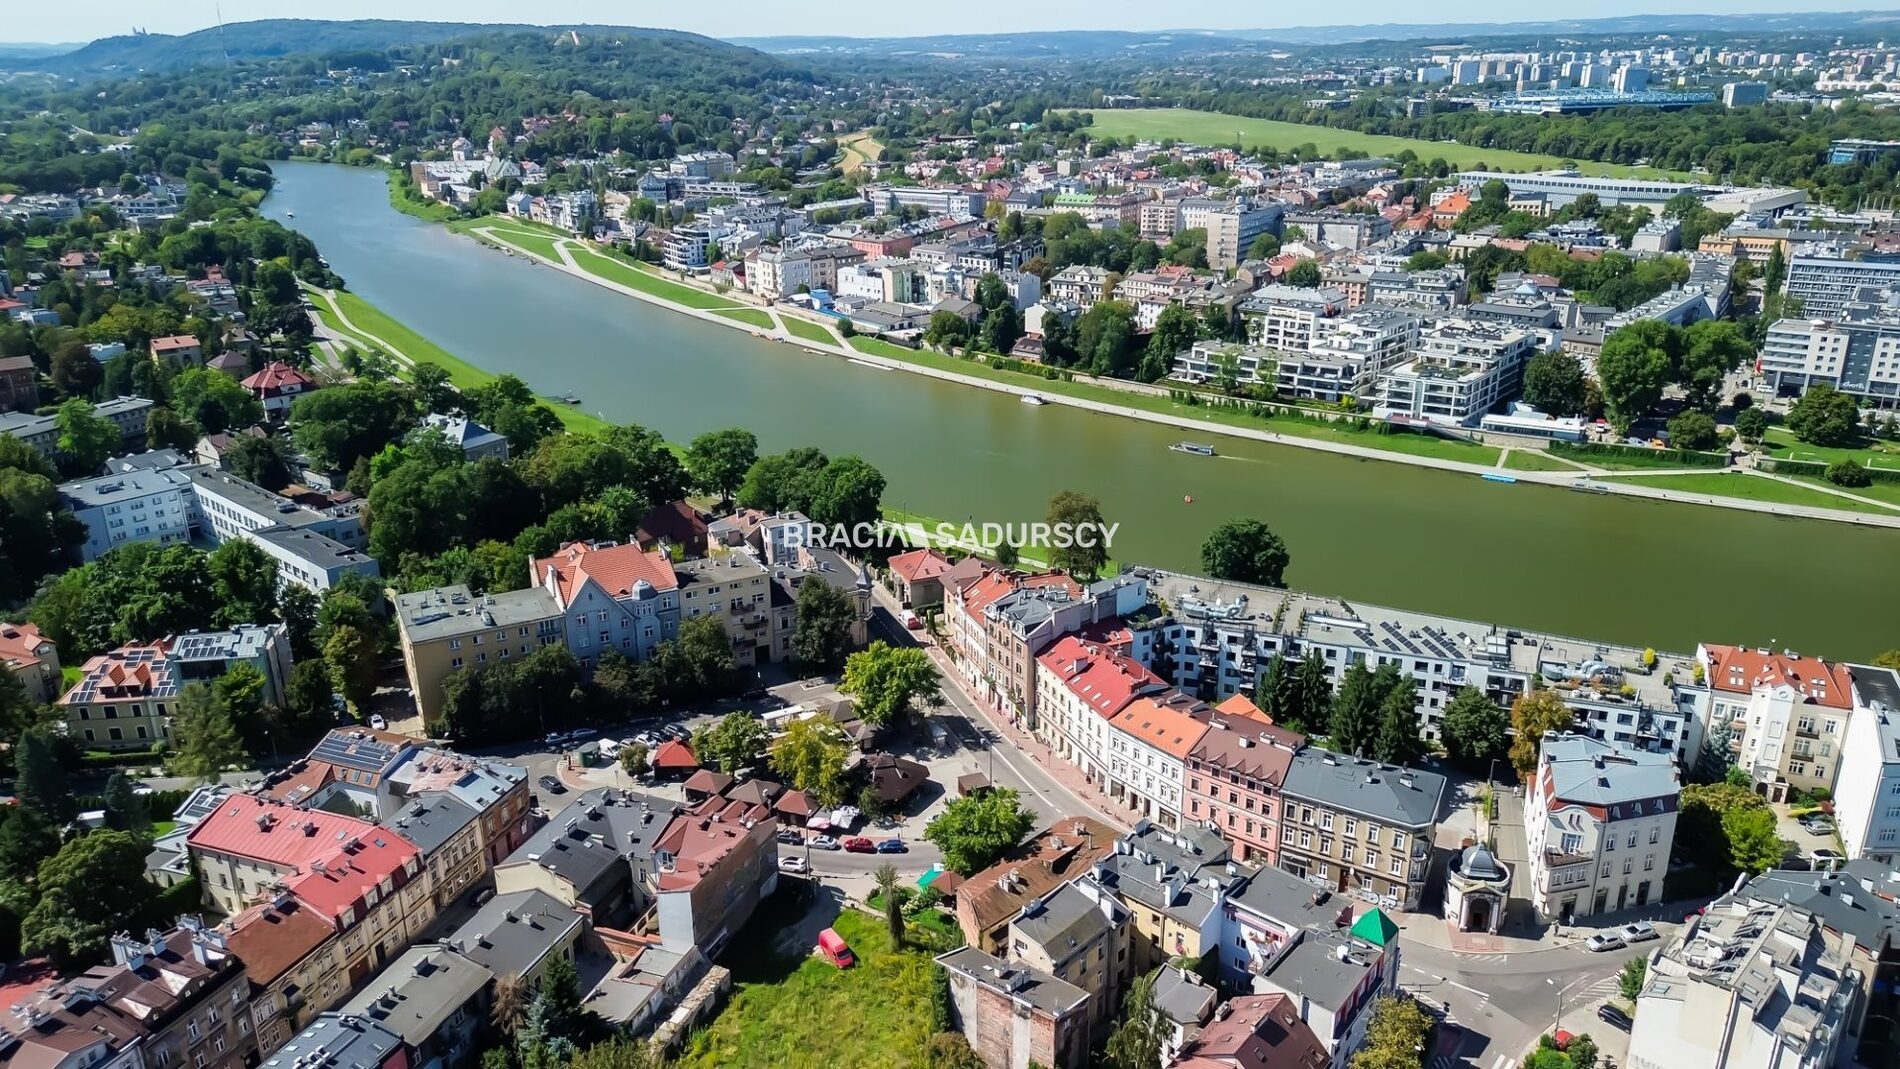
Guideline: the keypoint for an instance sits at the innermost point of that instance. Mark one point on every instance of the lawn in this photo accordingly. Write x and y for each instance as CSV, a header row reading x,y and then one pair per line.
x,y
1888,492
1214,128
1750,488
616,270
1537,460
807,1014
751,317
808,330
527,240
1875,454
1402,442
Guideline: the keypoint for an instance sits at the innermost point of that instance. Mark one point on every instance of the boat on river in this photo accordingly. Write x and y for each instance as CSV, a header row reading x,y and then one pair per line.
x,y
1195,448
1494,477
570,399
1034,399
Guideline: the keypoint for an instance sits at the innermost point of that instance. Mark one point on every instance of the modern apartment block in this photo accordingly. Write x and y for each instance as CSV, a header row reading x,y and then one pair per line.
x,y
448,630
1360,827
1785,715
1285,317
1347,354
1826,285
1867,790
737,589
1600,821
1858,353
1459,371
1231,226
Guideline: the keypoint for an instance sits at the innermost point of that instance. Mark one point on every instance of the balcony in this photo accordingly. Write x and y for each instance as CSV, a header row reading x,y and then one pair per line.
x,y
1808,732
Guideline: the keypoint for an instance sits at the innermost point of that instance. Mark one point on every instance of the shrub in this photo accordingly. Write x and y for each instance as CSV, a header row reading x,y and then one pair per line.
x,y
1848,473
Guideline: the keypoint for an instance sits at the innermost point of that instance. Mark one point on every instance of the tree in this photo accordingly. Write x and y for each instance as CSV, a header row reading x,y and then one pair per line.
x,y
1553,383
1396,1037
1711,350
1104,336
1315,689
974,831
1849,474
165,429
885,679
1533,716
1176,330
1751,424
26,839
38,781
204,734
951,1050
244,579
719,460
886,878
1634,366
1889,659
1753,845
1245,551
259,460
946,330
619,1053
86,438
1304,274
213,401
1081,517
339,425
811,756
1397,741
822,633
1475,727
1264,247
737,741
1277,692
350,653
1141,1037
1355,712
1629,982
124,808
1821,416
1692,429
1775,271
74,372
94,886
510,1007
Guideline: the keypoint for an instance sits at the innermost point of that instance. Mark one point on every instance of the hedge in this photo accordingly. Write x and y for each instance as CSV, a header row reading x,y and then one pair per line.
x,y
1784,466
126,759
1686,458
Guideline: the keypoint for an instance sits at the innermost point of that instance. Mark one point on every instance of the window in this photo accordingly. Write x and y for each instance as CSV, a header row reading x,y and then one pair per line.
x,y
1306,840
1628,864
1326,821
1606,870
1654,835
1649,862
1631,842
1352,826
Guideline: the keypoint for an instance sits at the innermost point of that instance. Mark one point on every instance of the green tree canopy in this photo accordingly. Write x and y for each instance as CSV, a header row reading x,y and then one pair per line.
x,y
884,680
975,831
1245,551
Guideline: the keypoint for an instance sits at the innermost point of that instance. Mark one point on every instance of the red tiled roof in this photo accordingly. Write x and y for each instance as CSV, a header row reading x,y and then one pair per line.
x,y
1241,705
1739,670
290,838
674,753
920,564
615,568
1257,1032
174,341
17,643
277,375
348,874
269,940
1103,681
698,844
995,583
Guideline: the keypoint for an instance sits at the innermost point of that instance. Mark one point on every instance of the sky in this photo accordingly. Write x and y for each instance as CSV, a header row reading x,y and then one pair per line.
x,y
28,21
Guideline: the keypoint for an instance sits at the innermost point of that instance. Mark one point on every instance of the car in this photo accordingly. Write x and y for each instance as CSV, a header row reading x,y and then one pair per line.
x,y
790,837
824,842
911,622
793,863
581,733
1827,858
1614,1017
648,740
1816,825
677,731
893,846
1638,932
554,740
552,785
858,844
835,949
753,693
376,721
1605,941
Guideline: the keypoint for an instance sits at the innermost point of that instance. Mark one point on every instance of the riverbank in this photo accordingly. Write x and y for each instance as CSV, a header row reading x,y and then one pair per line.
x,y
706,304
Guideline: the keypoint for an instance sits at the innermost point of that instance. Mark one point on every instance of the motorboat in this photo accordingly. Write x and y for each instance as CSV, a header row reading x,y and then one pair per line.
x,y
1195,448
1034,399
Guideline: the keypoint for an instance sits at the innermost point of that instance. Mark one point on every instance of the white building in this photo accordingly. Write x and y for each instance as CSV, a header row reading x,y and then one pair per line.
x,y
1231,226
1081,689
1209,359
1785,715
1460,371
1867,791
135,506
1827,284
1857,353
1285,317
1599,821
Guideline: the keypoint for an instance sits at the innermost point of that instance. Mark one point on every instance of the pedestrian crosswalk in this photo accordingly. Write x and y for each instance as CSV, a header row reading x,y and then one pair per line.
x,y
1489,1060
1483,959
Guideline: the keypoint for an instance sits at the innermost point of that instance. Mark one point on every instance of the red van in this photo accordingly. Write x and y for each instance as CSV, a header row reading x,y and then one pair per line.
x,y
835,949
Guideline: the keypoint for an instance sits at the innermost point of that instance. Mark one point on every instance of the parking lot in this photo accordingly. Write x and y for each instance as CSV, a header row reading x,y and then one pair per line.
x,y
1818,840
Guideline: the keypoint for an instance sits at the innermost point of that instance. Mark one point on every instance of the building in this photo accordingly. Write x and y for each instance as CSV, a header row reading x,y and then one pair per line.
x,y
435,999
250,845
1744,94
518,933
277,387
734,587
1235,775
293,959
1254,1032
445,832
1001,621
611,596
1784,715
1826,285
1174,885
919,577
203,656
1015,1016
1334,975
1747,985
181,349
710,874
597,858
474,440
372,889
32,659
1213,360
144,505
1347,354
1360,827
1460,371
1082,687
1231,226
123,700
19,384
337,1039
1081,284
1600,821
1859,150
447,629
1858,353
1063,851
1867,789
1079,934
1285,317
1149,743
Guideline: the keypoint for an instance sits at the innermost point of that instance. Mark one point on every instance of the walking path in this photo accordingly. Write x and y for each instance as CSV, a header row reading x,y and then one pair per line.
x,y
566,262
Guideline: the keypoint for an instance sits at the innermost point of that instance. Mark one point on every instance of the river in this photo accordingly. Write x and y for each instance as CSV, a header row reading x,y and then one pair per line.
x,y
1609,568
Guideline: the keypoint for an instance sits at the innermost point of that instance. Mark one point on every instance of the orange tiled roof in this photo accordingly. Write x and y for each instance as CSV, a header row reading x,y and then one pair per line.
x,y
615,568
1169,728
1740,670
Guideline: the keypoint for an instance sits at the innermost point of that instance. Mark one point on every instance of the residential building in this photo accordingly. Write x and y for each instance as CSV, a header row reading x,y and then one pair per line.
x,y
314,548
1441,290
1082,687
919,577
1348,230
1867,789
31,658
203,656
710,874
435,999
250,845
1254,1032
19,384
42,432
1784,715
1231,226
675,528
182,349
1858,353
1744,94
1360,827
1081,284
1235,775
1187,1001
597,858
1015,1016
936,200
445,831
1174,885
373,890
1334,977
123,700
278,386
475,441
343,1039
1825,285
1747,985
447,630
1063,851
611,596
1347,354
1000,622
1149,743
518,933
734,587
1213,360
1285,317
122,507
293,958
1600,821
1079,934
1459,371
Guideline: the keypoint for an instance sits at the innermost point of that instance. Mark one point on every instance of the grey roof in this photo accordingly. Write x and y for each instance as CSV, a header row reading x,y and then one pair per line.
x,y
360,749
101,490
448,611
603,828
320,550
150,460
1276,894
1877,686
463,432
1034,987
487,783
1315,970
513,932
1386,793
249,496
240,643
1184,997
347,1040
1065,920
431,819
1856,900
419,991
1594,772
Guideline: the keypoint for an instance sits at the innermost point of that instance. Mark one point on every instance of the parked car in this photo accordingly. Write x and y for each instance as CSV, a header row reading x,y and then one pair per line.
x,y
893,846
790,837
554,740
911,622
581,733
1827,858
835,949
793,863
824,842
1610,1015
376,721
1638,932
676,731
1605,941
552,785
858,844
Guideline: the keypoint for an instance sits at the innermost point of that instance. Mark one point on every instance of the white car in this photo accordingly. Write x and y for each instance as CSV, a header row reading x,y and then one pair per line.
x,y
376,721
1605,941
1638,932
792,863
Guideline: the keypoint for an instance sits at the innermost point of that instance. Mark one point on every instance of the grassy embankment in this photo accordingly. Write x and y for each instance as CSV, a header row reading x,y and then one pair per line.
x,y
1751,488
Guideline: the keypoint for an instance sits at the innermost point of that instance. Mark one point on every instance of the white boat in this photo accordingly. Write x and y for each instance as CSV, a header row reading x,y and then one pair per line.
x,y
290,215
1034,399
1195,448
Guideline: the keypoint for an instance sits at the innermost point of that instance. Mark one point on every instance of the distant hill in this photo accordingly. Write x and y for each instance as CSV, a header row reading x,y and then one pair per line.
x,y
1101,44
272,38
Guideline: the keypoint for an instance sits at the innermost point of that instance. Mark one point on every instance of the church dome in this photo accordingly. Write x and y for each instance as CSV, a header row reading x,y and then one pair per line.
x,y
1479,863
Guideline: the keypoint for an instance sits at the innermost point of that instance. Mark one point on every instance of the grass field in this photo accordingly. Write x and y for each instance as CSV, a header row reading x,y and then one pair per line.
x,y
1536,460
1876,454
859,149
529,240
1750,488
614,270
806,329
1214,128
751,317
807,1014
1888,492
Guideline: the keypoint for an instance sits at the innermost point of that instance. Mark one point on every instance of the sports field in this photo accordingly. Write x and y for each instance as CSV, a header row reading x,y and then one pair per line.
x,y
1214,128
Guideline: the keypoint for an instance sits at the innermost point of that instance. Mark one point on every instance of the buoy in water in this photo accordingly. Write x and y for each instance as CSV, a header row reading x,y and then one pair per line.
x,y
1187,499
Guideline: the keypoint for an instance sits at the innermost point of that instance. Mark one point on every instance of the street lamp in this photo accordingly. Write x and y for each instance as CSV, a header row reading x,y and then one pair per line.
x,y
1558,1022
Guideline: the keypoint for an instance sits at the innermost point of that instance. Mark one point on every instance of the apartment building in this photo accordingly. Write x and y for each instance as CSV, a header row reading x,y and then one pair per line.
x,y
476,442
42,432
345,1039
373,890
120,508
1231,226
611,596
1600,821
1001,621
181,349
124,699
1867,789
436,1000
988,901
1286,317
1335,976
1174,885
1459,371
1212,360
1857,353
1015,1016
597,859
19,384
1825,284
710,873
250,845
1082,687
1360,827
204,656
447,629
1079,934
1785,715
1441,290
1234,778
1253,1032
277,386
31,658
293,959
1349,230
1081,284
446,834
1148,746
1347,354
737,589
781,271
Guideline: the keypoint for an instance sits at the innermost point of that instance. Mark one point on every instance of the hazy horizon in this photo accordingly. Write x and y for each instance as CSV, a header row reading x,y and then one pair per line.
x,y
844,18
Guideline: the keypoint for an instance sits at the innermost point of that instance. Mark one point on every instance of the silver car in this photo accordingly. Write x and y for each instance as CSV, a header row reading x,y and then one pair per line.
x,y
1638,932
1605,941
